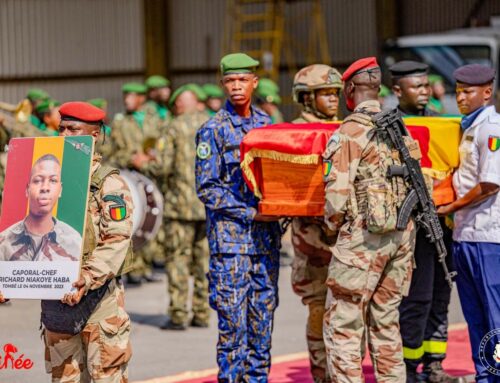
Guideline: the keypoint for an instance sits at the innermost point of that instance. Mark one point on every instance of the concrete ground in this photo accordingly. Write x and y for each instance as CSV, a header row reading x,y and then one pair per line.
x,y
157,352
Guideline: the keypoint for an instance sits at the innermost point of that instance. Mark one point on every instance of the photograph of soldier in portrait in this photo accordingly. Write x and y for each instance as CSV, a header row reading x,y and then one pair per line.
x,y
40,236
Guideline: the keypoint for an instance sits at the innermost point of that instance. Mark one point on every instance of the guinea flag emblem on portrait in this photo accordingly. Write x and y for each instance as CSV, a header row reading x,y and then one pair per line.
x,y
493,143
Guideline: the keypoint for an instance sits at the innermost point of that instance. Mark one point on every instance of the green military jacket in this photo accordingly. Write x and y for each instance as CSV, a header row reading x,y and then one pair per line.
x,y
175,168
131,134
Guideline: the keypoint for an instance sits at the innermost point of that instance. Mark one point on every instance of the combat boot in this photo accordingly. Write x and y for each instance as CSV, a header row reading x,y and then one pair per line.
x,y
434,373
170,325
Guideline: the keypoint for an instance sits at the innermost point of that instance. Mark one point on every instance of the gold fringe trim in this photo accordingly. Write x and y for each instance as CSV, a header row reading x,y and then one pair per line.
x,y
436,174
252,154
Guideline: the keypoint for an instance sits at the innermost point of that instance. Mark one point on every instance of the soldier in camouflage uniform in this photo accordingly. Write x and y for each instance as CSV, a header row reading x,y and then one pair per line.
x,y
244,246
314,86
371,262
215,98
101,351
186,245
268,98
158,97
133,136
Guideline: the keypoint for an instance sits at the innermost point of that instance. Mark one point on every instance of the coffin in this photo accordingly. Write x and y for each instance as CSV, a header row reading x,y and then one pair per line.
x,y
282,165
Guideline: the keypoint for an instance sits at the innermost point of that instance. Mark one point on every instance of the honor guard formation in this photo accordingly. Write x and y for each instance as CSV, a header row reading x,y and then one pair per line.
x,y
375,272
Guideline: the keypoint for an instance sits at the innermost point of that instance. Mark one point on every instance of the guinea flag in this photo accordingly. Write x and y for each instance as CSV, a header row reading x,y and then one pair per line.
x,y
74,154
118,212
493,143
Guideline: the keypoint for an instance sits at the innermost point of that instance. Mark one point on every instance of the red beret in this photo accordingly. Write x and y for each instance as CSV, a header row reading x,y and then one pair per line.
x,y
359,66
81,111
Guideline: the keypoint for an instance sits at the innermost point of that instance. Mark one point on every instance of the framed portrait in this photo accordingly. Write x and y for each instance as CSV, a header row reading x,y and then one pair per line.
x,y
42,222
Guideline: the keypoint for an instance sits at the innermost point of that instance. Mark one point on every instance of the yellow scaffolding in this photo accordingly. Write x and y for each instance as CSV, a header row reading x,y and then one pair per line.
x,y
259,28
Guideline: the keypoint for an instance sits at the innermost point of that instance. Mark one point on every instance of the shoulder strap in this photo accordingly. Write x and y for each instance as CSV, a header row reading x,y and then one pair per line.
x,y
100,175
360,118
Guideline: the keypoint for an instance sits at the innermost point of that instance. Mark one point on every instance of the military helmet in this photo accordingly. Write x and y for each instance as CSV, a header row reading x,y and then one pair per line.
x,y
316,76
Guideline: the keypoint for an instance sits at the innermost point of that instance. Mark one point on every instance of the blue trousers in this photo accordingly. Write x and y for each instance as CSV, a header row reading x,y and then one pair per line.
x,y
478,282
243,290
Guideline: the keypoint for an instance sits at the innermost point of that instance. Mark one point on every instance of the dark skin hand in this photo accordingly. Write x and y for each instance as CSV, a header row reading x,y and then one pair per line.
x,y
2,299
476,195
413,93
239,88
67,129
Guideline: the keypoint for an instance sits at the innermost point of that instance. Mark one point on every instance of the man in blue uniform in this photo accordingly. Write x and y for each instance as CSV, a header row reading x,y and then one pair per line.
x,y
476,235
244,246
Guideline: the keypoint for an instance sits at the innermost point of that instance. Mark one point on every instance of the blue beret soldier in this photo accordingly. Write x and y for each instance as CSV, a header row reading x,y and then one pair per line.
x,y
244,246
476,234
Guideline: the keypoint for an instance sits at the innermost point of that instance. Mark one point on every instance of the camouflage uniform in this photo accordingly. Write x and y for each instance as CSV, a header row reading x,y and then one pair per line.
x,y
60,244
371,264
130,134
244,254
101,351
185,229
311,238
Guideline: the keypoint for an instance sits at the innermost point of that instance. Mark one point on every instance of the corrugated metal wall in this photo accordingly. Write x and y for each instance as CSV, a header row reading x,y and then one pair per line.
x,y
69,47
427,16
197,31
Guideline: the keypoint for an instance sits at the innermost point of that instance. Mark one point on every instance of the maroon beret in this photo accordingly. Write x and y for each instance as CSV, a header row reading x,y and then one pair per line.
x,y
474,74
81,111
361,65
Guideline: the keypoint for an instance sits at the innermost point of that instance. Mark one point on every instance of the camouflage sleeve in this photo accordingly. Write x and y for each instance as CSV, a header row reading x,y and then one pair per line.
x,y
165,148
121,153
115,231
340,161
216,194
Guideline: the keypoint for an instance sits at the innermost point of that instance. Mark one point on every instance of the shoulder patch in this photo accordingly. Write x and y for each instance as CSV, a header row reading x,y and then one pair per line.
x,y
327,167
493,143
334,139
203,150
117,211
119,116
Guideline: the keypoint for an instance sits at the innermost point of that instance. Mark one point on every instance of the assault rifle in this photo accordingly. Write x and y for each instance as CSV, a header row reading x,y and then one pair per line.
x,y
418,202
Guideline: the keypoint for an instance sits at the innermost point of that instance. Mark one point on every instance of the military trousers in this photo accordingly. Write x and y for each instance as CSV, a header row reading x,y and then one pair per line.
x,y
312,256
100,352
187,255
368,275
244,292
423,314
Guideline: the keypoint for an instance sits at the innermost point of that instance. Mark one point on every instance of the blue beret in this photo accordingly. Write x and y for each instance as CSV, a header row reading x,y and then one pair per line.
x,y
474,74
408,68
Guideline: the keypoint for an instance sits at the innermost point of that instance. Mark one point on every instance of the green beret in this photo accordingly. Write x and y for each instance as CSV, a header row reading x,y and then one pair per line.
x,y
267,83
134,87
46,105
434,78
198,91
267,92
157,81
100,103
36,94
384,91
238,63
178,91
213,90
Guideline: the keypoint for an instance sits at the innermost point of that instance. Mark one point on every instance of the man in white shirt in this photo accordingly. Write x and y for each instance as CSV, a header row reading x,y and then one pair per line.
x,y
476,248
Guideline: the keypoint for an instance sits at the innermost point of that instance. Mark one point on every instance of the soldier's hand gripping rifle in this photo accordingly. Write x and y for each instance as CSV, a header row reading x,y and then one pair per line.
x,y
418,202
